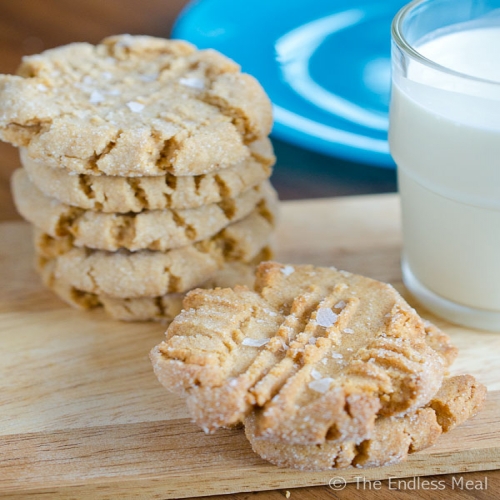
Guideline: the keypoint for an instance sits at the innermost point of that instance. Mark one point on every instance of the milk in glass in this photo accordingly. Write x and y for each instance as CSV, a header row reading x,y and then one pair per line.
x,y
445,138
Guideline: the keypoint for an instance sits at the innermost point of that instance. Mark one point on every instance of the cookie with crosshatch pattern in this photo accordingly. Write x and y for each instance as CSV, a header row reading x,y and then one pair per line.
x,y
133,106
392,438
320,353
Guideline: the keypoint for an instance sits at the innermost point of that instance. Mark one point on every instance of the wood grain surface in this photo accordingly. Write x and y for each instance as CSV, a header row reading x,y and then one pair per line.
x,y
30,26
83,416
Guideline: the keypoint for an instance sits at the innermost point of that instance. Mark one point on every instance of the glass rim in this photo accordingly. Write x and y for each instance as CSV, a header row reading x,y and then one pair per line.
x,y
403,44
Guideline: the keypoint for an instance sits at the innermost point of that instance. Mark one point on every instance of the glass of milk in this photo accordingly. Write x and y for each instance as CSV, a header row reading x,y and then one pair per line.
x,y
444,135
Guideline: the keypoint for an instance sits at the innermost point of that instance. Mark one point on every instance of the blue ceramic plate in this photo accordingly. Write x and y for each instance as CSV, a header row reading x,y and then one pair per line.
x,y
324,63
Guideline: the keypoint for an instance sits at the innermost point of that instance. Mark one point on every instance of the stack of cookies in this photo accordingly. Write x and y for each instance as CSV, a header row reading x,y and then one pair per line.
x,y
145,171
326,369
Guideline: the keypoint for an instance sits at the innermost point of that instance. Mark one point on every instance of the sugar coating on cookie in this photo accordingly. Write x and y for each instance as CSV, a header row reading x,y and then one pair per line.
x,y
278,348
133,106
125,274
392,438
159,230
161,308
113,194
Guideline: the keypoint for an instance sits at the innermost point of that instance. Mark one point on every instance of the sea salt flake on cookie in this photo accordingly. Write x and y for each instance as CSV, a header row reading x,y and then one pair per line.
x,y
254,342
326,317
271,313
135,107
321,385
287,270
194,83
96,97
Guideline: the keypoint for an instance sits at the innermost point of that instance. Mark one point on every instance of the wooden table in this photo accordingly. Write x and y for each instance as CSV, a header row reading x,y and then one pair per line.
x,y
30,26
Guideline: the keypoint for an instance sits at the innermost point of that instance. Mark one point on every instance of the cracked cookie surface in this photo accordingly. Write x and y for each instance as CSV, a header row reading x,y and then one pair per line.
x,y
392,438
133,194
125,274
163,308
159,230
322,353
133,106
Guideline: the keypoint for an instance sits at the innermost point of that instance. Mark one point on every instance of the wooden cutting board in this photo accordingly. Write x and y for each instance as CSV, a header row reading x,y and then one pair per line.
x,y
83,416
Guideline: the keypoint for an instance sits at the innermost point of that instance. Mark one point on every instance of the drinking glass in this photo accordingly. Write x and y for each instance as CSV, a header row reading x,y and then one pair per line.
x,y
444,135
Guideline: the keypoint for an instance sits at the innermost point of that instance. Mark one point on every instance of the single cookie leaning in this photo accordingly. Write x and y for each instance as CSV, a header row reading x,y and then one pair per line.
x,y
162,308
133,194
125,274
322,352
133,106
392,439
160,230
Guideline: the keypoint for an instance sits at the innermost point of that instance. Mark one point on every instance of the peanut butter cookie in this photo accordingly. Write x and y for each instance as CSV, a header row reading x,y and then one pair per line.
x,y
125,274
160,230
322,353
114,194
392,438
163,308
133,106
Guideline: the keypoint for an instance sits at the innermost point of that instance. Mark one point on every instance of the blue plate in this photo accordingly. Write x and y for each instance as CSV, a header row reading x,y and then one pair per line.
x,y
324,63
